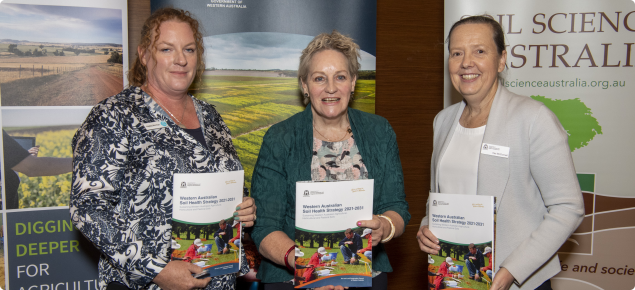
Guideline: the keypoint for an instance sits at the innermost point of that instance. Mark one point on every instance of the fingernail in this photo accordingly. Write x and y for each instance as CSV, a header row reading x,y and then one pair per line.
x,y
235,214
236,218
359,224
238,207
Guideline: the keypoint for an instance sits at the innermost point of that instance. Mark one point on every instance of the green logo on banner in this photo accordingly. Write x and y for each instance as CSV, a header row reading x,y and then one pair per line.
x,y
576,118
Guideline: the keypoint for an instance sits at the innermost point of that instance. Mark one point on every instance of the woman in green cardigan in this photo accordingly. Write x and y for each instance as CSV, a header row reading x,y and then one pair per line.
x,y
327,141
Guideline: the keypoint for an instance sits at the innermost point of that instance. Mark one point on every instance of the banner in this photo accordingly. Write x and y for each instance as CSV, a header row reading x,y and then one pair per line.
x,y
58,58
577,58
252,54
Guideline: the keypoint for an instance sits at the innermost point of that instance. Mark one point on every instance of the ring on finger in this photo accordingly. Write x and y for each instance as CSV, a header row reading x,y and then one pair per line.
x,y
254,216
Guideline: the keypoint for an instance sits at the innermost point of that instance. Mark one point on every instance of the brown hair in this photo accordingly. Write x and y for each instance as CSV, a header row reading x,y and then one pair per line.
x,y
497,30
348,231
222,222
137,76
333,41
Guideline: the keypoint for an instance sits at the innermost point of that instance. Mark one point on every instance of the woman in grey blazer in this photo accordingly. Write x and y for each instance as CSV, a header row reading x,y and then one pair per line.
x,y
538,198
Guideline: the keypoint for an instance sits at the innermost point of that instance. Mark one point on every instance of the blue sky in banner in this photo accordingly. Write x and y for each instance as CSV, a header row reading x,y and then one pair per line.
x,y
262,51
355,18
43,23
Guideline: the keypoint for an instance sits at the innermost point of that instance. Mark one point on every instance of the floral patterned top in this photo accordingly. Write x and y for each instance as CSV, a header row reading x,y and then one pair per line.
x,y
337,161
121,196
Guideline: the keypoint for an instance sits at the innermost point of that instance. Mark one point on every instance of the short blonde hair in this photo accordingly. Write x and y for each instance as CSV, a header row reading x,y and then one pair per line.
x,y
137,76
329,41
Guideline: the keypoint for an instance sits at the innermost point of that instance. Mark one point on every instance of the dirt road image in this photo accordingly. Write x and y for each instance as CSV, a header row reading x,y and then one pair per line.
x,y
81,87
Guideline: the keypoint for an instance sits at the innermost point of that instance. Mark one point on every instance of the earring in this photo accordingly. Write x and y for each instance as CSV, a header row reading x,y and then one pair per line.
x,y
352,93
306,95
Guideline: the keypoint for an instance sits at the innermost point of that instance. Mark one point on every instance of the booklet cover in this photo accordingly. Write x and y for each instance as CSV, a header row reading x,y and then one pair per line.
x,y
332,250
203,229
465,227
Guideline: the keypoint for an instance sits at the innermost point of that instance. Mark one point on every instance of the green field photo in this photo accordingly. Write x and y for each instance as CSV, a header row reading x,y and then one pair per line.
x,y
250,104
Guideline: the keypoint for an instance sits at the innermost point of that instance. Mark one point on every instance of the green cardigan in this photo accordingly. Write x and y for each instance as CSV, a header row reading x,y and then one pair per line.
x,y
285,157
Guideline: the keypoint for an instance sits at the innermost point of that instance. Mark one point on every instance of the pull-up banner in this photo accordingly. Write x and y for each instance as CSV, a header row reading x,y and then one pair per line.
x,y
58,58
577,57
252,54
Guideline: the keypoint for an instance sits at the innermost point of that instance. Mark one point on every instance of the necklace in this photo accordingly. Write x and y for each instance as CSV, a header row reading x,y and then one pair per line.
x,y
166,109
348,131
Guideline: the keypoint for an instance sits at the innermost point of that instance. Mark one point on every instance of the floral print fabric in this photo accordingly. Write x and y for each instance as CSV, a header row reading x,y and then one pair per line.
x,y
121,196
337,161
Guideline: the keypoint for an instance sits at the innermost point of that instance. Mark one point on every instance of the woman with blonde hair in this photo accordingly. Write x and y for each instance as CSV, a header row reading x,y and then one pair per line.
x,y
328,141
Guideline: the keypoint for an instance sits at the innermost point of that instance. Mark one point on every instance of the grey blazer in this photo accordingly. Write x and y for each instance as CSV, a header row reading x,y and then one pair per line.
x,y
538,198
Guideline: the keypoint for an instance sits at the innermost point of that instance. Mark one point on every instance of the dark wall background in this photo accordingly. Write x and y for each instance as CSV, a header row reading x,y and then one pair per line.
x,y
409,94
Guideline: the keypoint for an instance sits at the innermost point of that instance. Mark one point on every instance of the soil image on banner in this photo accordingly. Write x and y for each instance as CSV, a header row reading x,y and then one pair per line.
x,y
53,61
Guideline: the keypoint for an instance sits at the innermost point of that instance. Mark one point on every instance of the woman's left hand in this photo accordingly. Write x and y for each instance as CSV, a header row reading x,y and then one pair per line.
x,y
503,280
378,226
246,212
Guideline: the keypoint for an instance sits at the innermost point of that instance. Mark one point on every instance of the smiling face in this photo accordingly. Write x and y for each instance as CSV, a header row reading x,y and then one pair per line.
x,y
329,84
174,67
474,62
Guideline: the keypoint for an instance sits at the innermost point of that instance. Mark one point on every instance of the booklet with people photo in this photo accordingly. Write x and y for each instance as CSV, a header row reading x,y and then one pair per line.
x,y
204,232
465,227
331,249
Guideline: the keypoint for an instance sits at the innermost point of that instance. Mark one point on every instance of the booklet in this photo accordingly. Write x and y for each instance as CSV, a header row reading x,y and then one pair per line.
x,y
465,227
332,250
204,232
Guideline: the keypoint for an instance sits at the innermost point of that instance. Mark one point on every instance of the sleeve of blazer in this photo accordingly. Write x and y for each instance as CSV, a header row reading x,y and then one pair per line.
x,y
424,220
552,169
269,187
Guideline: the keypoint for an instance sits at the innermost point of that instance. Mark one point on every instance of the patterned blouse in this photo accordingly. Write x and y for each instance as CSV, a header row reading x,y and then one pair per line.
x,y
337,161
121,197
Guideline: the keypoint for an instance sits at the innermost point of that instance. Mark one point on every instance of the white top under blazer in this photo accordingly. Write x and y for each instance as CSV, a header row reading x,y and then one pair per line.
x,y
458,168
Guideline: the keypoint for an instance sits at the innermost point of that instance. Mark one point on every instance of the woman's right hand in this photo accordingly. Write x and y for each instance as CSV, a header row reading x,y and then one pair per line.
x,y
177,275
427,241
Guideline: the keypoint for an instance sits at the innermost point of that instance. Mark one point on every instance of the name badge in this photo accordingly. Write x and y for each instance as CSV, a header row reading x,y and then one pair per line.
x,y
495,150
155,125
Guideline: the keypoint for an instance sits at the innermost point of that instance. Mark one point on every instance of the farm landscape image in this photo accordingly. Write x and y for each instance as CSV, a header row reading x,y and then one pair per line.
x,y
251,101
58,55
251,79
249,97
